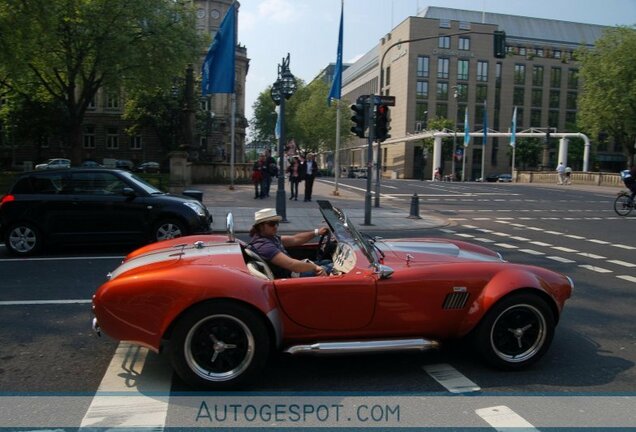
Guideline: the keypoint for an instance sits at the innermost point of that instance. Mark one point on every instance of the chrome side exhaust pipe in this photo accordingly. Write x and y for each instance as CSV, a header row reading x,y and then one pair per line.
x,y
367,346
95,326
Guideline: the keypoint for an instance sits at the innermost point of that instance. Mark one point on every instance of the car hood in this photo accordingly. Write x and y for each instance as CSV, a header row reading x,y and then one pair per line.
x,y
436,250
217,253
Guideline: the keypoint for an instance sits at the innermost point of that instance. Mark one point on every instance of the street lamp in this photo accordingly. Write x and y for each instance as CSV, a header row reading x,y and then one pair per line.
x,y
282,89
455,96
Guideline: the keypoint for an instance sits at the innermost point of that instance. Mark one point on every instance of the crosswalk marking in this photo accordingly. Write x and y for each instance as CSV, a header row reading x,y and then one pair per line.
x,y
622,263
560,259
451,379
531,251
564,249
503,418
595,268
506,245
627,278
591,255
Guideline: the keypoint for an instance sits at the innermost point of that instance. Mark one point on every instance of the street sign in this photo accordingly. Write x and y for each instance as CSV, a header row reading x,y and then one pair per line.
x,y
378,100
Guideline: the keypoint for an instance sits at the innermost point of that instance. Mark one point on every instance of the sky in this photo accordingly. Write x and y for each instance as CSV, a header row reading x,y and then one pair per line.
x,y
308,29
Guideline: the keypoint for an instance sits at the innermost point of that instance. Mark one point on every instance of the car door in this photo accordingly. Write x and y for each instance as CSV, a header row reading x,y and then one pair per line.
x,y
344,302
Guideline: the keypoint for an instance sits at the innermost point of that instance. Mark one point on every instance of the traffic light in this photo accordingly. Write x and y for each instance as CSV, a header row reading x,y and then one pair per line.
x,y
500,44
382,123
359,117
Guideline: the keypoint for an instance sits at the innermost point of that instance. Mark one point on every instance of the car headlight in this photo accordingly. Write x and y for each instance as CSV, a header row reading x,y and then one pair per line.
x,y
196,207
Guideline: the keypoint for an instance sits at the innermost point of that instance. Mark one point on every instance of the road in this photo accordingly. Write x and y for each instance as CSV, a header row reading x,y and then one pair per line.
x,y
47,346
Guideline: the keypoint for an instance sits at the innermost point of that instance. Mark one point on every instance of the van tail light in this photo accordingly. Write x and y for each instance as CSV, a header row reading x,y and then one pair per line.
x,y
6,199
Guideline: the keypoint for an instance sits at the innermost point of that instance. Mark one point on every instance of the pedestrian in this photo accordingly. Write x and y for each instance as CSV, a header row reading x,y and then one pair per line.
x,y
561,173
568,175
257,176
437,174
294,171
270,171
270,246
309,171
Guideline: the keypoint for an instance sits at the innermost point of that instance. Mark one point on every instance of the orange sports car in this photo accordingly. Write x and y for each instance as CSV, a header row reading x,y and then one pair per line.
x,y
223,313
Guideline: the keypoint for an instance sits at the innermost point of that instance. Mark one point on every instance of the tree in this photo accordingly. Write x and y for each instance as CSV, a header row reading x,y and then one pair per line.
x,y
528,152
64,51
608,99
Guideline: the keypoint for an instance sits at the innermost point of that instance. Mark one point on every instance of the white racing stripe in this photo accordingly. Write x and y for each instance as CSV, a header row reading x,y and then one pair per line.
x,y
503,418
126,398
450,378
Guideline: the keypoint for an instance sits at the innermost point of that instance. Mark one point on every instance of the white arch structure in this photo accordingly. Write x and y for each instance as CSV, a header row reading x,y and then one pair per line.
x,y
438,136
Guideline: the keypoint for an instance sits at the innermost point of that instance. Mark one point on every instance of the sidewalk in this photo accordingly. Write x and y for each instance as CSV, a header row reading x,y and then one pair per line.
x,y
305,216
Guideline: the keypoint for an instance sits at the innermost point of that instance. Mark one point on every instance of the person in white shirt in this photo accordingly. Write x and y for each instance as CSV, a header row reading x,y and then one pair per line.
x,y
561,172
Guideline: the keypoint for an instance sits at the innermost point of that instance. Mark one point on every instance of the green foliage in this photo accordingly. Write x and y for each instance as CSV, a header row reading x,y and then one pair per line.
x,y
608,101
442,124
528,153
64,51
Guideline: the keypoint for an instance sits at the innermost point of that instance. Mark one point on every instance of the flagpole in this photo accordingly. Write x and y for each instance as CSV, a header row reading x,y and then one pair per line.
x,y
483,144
232,138
336,163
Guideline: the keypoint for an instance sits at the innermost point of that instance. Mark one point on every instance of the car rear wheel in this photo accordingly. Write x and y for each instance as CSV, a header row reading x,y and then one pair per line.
x,y
219,345
23,239
516,332
169,229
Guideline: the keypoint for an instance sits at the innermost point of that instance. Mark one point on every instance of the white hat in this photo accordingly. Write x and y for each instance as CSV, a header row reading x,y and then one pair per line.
x,y
266,215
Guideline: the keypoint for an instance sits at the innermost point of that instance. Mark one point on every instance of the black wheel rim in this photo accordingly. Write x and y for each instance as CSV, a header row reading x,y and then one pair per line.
x,y
518,333
219,348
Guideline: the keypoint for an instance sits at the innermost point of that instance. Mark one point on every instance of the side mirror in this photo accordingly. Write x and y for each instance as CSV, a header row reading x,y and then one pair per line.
x,y
229,224
129,192
383,271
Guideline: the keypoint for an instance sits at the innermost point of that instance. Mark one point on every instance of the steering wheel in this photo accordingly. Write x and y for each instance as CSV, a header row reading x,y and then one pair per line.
x,y
326,246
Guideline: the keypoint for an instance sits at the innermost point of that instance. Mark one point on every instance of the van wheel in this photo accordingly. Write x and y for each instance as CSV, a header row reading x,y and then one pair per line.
x,y
23,239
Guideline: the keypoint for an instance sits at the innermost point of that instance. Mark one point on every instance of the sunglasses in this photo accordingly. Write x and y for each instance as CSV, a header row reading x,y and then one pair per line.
x,y
272,224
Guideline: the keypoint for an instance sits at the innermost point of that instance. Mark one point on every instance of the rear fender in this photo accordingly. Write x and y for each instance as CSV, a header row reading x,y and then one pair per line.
x,y
502,284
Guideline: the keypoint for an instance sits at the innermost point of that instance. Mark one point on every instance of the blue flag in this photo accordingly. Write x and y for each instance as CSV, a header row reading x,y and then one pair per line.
x,y
336,85
466,129
218,69
513,128
485,123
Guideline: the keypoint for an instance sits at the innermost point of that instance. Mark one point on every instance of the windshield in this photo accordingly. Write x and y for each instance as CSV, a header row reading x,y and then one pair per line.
x,y
147,187
344,230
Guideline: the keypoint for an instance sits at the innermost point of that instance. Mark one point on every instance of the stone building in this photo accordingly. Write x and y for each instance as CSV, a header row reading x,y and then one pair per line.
x,y
454,69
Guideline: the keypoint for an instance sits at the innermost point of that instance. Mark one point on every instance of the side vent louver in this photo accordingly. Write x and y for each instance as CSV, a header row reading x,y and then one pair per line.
x,y
456,300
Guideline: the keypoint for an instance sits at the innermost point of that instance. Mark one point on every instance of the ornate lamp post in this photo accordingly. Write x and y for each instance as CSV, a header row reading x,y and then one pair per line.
x,y
282,89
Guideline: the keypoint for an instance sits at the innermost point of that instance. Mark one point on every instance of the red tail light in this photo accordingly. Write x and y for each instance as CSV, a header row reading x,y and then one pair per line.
x,y
6,199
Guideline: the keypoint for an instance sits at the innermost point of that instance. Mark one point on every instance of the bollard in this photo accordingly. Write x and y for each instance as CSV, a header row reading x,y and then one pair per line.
x,y
415,207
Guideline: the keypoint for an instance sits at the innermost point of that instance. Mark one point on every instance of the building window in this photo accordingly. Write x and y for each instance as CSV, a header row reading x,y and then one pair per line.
x,y
553,118
573,79
518,96
112,101
442,68
479,114
136,142
481,93
462,92
537,97
444,23
556,54
555,98
482,71
498,67
537,76
444,42
421,112
570,120
538,52
464,43
519,118
571,101
535,118
112,138
520,74
91,104
462,69
43,140
464,25
422,89
88,138
442,110
442,91
555,77
422,66
522,51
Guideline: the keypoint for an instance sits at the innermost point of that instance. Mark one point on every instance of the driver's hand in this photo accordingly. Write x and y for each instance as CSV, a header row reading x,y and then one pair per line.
x,y
323,231
320,271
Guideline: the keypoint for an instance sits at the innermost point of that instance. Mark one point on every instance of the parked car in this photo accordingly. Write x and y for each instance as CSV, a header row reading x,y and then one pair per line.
x,y
213,306
90,164
148,167
124,164
56,163
505,178
492,178
93,206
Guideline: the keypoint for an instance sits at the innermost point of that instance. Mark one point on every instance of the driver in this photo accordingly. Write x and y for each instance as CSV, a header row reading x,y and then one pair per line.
x,y
269,245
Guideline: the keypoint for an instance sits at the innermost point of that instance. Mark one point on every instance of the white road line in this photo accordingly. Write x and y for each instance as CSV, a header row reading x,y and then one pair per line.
x,y
594,268
140,400
553,232
591,255
627,278
576,237
465,235
538,243
560,259
42,302
598,241
484,230
622,263
500,234
506,246
503,418
622,246
483,240
520,238
469,226
564,249
447,231
531,251
450,378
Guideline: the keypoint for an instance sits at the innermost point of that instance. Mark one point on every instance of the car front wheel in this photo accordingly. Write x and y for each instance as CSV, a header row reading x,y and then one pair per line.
x,y
219,345
516,332
168,229
23,239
